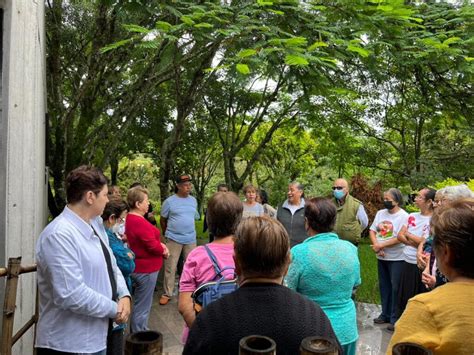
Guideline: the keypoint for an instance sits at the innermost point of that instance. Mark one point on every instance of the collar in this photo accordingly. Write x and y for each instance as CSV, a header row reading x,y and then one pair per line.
x,y
322,236
82,226
286,204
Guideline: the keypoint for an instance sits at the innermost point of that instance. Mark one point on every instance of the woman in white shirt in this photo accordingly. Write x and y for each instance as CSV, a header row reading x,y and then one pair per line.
x,y
383,235
251,207
414,232
81,290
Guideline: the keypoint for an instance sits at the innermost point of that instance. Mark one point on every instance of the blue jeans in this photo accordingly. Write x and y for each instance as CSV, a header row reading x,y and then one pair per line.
x,y
389,281
144,285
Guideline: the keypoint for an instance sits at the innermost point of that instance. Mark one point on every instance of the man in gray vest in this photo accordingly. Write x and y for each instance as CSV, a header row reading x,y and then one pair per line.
x,y
351,217
291,214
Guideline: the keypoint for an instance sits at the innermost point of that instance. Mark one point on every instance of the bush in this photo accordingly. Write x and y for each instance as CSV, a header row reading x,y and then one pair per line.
x,y
453,182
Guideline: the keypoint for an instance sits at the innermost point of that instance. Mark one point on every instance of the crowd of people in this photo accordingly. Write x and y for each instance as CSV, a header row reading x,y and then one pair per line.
x,y
296,266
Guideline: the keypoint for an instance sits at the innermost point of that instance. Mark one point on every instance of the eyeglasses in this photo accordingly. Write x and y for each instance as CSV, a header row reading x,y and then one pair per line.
x,y
121,219
337,187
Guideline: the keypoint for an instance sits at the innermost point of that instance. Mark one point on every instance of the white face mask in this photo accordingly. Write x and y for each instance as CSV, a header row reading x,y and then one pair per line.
x,y
119,228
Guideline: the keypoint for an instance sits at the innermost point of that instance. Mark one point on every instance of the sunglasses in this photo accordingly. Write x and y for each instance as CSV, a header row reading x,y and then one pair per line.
x,y
337,187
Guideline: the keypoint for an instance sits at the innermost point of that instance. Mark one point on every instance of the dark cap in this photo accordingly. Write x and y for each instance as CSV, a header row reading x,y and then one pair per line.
x,y
183,178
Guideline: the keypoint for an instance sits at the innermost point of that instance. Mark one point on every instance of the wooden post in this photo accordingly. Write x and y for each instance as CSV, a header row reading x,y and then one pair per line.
x,y
410,349
318,345
144,343
14,267
257,344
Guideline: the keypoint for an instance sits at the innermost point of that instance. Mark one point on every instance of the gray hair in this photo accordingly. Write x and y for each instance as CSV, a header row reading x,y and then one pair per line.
x,y
456,192
396,195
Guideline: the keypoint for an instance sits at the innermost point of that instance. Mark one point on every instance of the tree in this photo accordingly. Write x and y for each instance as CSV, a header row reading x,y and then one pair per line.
x,y
410,97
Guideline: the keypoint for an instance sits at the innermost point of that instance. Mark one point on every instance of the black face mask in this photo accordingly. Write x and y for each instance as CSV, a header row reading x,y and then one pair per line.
x,y
389,205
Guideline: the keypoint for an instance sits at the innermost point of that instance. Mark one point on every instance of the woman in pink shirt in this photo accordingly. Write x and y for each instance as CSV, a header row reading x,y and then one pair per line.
x,y
224,213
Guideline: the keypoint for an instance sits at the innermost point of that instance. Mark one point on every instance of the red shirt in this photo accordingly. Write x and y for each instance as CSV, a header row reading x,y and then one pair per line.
x,y
144,240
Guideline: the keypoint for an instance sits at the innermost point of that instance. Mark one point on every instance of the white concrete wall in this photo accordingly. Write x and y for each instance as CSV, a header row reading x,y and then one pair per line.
x,y
23,203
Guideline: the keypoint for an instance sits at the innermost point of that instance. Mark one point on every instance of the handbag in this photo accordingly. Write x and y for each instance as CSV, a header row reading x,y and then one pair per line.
x,y
211,291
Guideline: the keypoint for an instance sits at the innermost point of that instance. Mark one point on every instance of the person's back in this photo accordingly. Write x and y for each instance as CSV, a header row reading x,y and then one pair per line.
x,y
447,314
330,267
261,306
442,320
257,309
325,269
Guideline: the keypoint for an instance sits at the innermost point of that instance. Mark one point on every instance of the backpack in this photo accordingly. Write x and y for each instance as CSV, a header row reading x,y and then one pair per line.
x,y
208,292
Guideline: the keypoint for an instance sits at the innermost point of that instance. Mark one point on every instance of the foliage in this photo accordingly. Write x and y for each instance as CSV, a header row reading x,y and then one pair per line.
x,y
139,169
452,182
261,91
408,111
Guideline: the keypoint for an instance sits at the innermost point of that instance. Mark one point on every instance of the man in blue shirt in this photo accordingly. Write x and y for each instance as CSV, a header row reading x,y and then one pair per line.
x,y
178,214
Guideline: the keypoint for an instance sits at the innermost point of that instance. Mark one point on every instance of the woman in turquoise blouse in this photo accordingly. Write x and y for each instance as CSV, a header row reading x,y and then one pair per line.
x,y
325,269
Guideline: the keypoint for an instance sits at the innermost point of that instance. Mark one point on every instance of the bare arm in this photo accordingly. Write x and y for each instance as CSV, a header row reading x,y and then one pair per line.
x,y
390,242
376,246
402,236
420,257
186,308
413,239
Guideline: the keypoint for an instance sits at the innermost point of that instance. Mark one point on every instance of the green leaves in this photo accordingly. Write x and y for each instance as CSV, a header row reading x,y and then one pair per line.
x,y
136,29
115,45
317,45
296,60
295,42
246,53
203,25
163,26
359,50
243,68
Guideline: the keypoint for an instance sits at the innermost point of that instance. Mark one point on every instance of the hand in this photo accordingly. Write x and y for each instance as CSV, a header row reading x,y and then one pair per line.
x,y
421,259
381,253
377,247
428,280
123,310
166,252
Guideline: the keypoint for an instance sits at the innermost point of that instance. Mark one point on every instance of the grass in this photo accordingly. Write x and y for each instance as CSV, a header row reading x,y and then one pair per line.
x,y
368,291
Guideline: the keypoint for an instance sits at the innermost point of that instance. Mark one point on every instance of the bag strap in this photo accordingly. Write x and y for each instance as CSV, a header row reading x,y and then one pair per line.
x,y
213,258
108,261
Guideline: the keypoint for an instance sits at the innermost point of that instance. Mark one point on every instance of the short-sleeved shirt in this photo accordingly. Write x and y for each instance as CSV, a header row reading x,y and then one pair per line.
x,y
253,211
198,268
180,212
418,225
387,225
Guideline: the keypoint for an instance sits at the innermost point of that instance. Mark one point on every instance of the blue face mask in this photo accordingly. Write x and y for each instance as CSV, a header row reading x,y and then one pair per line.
x,y
338,194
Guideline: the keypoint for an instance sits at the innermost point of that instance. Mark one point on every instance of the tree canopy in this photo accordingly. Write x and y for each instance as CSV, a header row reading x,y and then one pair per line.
x,y
262,91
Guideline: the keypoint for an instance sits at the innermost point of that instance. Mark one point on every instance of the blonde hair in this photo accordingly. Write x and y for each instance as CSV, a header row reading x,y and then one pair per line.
x,y
136,194
249,188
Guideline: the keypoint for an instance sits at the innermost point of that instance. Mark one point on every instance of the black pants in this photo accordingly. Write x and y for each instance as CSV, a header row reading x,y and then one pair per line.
x,y
410,286
115,342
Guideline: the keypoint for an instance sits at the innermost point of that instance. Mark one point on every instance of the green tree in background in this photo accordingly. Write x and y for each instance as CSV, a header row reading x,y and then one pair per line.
x,y
264,91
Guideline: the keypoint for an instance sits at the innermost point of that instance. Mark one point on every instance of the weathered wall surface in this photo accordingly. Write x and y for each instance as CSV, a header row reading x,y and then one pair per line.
x,y
23,207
